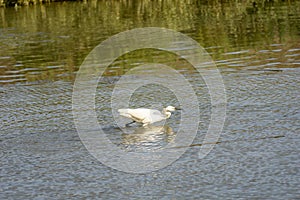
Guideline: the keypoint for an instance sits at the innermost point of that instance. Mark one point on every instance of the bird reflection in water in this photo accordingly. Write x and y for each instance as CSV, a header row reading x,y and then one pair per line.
x,y
148,138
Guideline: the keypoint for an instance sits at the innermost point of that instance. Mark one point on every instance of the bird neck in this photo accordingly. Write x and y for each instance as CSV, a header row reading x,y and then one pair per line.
x,y
166,113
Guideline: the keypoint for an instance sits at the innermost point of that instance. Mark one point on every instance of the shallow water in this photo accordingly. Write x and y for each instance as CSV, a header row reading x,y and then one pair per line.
x,y
257,53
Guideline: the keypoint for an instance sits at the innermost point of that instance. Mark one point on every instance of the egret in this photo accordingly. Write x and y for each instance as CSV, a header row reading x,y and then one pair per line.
x,y
147,116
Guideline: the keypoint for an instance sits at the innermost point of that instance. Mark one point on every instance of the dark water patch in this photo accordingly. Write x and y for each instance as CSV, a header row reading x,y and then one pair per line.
x,y
250,140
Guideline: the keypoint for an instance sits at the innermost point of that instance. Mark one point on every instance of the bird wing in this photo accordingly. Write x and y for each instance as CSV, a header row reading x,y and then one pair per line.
x,y
135,114
140,113
124,113
144,115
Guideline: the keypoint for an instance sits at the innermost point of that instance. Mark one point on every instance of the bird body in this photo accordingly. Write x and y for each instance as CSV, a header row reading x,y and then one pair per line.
x,y
147,116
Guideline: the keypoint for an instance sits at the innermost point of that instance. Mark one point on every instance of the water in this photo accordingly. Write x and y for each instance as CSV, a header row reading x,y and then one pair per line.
x,y
256,51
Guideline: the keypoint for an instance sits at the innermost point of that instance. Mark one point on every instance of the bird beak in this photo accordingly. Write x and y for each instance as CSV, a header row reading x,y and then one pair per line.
x,y
178,109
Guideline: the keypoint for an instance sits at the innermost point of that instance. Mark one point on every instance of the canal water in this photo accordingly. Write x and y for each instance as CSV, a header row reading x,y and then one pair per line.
x,y
256,48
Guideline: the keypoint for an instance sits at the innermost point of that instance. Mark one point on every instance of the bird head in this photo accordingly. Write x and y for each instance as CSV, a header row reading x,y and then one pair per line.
x,y
171,109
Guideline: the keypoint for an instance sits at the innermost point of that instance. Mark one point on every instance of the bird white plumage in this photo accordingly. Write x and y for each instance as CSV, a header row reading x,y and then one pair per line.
x,y
147,116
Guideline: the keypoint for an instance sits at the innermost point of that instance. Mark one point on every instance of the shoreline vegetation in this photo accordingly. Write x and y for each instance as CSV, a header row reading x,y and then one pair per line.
x,y
15,3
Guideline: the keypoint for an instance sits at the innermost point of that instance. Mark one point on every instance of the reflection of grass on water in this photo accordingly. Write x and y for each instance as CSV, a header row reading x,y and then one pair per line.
x,y
64,33
135,3
144,56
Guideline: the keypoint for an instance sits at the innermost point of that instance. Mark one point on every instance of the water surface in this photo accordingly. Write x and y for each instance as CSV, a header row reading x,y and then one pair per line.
x,y
256,50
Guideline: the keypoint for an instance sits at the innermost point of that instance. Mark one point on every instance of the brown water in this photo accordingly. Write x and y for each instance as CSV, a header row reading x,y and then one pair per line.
x,y
256,50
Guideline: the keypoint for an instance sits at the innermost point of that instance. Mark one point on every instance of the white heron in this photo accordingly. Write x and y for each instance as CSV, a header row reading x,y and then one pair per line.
x,y
147,116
